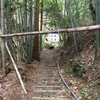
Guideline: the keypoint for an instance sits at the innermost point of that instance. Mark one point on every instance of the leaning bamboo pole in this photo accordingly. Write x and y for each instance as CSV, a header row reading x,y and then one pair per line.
x,y
77,29
3,39
16,69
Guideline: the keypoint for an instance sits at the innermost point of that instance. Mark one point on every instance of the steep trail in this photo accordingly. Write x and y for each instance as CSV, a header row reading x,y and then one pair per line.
x,y
41,80
49,86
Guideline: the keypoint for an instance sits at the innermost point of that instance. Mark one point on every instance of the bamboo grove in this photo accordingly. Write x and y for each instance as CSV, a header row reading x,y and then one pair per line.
x,y
36,15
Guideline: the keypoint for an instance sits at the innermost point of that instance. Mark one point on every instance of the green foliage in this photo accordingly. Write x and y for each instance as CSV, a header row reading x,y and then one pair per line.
x,y
32,67
95,82
81,11
19,15
54,14
84,93
98,95
74,23
77,68
92,66
46,46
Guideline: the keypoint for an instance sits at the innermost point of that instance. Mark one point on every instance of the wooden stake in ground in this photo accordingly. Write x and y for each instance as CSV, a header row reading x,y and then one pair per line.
x,y
16,69
3,40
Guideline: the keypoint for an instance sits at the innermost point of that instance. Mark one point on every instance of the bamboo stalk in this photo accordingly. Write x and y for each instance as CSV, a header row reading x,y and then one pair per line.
x,y
16,69
3,40
77,29
98,31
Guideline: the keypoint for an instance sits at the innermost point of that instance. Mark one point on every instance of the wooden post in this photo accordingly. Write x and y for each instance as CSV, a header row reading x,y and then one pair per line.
x,y
3,39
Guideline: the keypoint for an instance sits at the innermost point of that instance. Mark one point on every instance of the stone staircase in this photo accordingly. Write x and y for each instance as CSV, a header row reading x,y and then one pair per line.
x,y
50,87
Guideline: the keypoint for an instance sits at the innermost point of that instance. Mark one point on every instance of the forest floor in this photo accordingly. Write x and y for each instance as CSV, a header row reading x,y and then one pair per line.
x,y
42,81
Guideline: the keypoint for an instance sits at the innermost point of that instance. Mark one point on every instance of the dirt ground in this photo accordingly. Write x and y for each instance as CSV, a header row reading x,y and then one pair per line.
x,y
40,77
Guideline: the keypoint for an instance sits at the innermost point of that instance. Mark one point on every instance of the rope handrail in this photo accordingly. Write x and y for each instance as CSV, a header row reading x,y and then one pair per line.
x,y
60,75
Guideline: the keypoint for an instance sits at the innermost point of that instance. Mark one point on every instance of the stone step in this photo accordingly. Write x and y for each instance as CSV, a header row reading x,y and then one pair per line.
x,y
50,80
48,98
49,83
51,91
50,86
47,94
56,77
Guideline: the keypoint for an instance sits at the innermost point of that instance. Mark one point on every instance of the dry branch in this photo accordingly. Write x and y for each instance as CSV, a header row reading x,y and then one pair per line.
x,y
77,29
15,66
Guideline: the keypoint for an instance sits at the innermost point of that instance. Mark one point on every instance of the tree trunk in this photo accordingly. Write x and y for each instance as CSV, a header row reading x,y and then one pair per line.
x,y
36,37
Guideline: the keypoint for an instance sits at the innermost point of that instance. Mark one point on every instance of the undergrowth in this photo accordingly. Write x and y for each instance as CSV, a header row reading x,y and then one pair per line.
x,y
77,68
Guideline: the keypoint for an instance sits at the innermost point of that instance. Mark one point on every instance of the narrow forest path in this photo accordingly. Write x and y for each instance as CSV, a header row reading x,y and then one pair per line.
x,y
41,83
49,86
